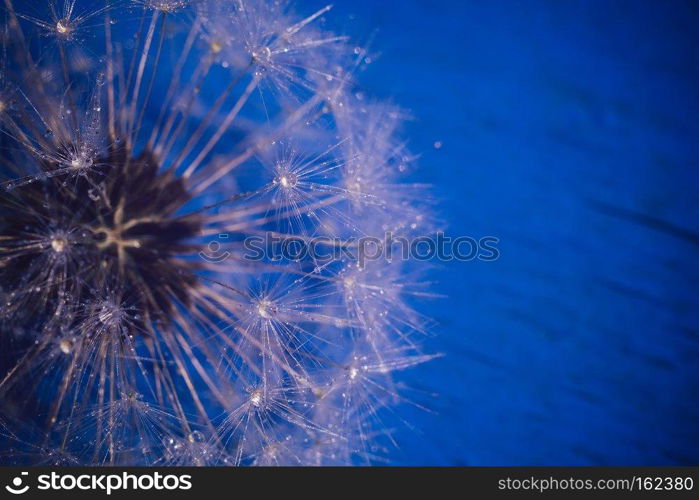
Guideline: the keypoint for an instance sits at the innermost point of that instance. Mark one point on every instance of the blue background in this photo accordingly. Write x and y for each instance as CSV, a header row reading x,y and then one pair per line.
x,y
569,131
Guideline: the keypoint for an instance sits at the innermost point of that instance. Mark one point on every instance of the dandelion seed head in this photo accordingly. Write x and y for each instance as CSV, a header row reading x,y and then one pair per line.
x,y
143,334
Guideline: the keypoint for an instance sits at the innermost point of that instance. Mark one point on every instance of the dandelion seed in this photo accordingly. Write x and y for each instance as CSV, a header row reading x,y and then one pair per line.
x,y
59,243
263,309
63,27
256,398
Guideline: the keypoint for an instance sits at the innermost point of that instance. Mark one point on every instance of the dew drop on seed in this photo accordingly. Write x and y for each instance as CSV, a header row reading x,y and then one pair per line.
x,y
59,244
65,346
196,437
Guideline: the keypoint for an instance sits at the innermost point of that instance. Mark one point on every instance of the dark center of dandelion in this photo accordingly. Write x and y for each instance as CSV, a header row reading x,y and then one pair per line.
x,y
113,230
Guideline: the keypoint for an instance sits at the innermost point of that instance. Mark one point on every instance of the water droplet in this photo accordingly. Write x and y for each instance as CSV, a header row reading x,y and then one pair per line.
x,y
196,437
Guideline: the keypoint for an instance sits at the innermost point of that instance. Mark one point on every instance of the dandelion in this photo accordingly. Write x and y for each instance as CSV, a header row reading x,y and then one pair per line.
x,y
128,337
66,20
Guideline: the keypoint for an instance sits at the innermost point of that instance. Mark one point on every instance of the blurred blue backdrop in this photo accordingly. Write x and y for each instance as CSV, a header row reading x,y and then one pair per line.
x,y
568,130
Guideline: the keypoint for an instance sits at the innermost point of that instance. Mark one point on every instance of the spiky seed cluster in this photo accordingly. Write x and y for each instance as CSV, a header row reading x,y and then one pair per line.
x,y
102,228
133,329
